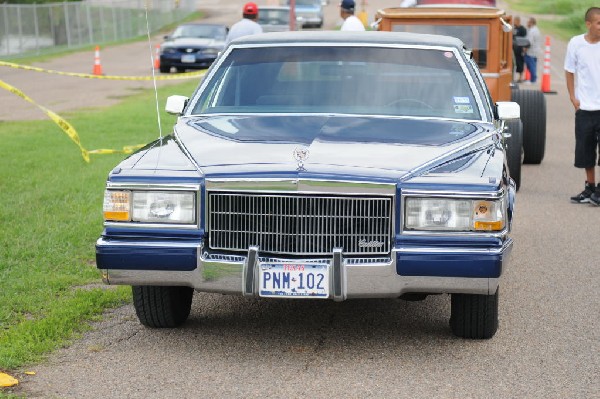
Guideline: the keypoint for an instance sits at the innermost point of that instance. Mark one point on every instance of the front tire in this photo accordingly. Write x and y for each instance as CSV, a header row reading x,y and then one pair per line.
x,y
474,316
162,307
164,68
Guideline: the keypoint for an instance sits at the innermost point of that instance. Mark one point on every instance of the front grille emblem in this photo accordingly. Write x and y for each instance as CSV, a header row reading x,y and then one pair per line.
x,y
301,155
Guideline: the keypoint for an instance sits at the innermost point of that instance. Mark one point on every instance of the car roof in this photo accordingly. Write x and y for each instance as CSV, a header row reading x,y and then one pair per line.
x,y
199,24
262,8
360,38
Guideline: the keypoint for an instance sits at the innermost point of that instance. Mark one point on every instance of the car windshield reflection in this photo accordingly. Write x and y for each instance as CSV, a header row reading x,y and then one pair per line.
x,y
340,80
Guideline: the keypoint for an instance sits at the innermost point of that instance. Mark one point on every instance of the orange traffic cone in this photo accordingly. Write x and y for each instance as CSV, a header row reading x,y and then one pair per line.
x,y
546,75
157,57
97,66
527,74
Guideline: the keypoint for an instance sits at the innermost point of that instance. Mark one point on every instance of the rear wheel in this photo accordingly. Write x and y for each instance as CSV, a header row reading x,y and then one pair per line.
x,y
474,316
533,116
162,307
514,150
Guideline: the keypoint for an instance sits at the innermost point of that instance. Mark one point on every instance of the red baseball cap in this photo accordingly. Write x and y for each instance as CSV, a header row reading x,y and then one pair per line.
x,y
250,8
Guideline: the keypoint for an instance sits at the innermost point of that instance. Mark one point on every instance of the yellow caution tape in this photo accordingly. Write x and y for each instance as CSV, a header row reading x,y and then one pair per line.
x,y
187,75
66,126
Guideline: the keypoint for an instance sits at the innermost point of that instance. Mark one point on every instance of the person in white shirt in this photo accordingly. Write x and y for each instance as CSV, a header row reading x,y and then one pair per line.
x,y
534,51
582,72
351,22
408,3
247,26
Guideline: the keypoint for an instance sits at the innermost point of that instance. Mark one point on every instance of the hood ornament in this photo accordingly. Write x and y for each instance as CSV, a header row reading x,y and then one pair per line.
x,y
301,154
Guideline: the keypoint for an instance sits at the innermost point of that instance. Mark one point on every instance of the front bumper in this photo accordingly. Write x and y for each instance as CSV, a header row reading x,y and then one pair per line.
x,y
201,62
169,264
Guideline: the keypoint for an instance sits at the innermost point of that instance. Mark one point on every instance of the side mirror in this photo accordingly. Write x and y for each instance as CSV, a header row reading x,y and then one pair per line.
x,y
508,110
506,27
176,104
375,24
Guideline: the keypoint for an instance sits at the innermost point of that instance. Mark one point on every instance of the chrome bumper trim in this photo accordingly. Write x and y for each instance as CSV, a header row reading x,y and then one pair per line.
x,y
237,276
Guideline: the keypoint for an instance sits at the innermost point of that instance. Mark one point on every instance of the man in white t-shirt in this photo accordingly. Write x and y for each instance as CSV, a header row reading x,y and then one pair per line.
x,y
351,22
247,26
582,70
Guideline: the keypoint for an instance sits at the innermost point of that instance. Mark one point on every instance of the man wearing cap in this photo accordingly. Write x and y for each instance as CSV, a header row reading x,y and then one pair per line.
x,y
351,22
248,24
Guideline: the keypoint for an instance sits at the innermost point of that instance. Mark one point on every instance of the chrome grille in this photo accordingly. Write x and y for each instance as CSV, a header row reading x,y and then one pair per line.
x,y
299,224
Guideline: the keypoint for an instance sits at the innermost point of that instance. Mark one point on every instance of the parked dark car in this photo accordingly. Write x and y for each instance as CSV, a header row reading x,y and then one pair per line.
x,y
192,46
309,13
320,165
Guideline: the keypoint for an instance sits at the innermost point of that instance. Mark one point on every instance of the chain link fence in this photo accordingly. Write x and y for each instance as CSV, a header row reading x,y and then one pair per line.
x,y
44,28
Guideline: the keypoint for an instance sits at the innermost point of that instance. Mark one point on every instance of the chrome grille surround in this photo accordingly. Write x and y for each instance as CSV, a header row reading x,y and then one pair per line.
x,y
300,223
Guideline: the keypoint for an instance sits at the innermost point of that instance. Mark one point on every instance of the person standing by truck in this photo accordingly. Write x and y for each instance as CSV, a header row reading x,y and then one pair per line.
x,y
519,35
247,25
534,51
582,71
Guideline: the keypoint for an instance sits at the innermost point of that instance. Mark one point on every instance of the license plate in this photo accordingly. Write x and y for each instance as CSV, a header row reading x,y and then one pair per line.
x,y
188,58
294,280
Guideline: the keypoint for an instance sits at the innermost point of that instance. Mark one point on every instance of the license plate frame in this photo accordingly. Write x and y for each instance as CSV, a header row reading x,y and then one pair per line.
x,y
294,280
188,58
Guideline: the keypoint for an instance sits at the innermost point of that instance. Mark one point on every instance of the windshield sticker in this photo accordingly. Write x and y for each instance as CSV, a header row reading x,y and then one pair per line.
x,y
463,108
462,100
448,54
460,130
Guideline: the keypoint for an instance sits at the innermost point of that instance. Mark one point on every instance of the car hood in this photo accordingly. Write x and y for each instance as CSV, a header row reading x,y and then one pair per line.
x,y
327,144
194,42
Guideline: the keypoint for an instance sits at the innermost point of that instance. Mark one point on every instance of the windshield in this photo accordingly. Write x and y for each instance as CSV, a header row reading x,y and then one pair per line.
x,y
474,37
340,80
202,31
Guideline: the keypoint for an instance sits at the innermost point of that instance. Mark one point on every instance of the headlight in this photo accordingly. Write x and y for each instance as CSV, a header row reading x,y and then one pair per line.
x,y
211,51
446,214
173,207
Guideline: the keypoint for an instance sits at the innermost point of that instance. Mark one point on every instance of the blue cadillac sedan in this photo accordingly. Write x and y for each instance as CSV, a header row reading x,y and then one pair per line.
x,y
320,165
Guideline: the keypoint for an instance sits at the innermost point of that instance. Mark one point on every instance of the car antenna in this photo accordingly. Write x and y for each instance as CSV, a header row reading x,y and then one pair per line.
x,y
152,69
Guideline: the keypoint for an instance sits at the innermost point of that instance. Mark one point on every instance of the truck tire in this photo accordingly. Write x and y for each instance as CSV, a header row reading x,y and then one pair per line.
x,y
514,150
533,116
164,68
474,316
162,307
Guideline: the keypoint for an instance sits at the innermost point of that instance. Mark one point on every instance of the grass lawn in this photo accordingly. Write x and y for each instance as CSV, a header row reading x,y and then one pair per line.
x,y
51,216
564,18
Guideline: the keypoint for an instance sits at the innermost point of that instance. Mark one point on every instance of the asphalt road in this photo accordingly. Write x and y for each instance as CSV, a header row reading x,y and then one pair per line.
x,y
232,347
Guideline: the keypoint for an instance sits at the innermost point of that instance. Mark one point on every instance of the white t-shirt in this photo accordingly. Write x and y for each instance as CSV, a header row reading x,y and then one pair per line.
x,y
241,28
352,23
583,60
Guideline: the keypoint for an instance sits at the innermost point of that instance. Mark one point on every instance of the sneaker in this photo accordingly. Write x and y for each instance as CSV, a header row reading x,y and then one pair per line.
x,y
595,197
585,195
